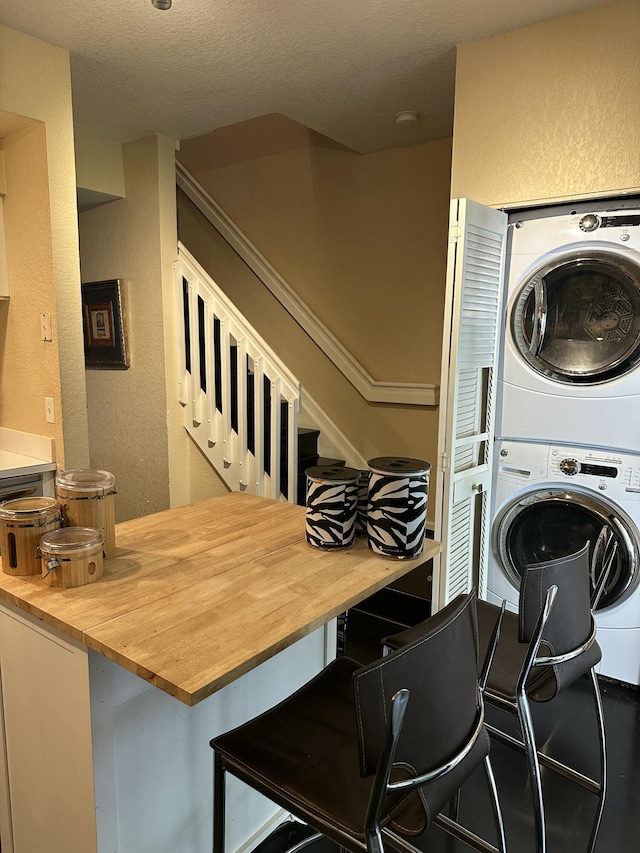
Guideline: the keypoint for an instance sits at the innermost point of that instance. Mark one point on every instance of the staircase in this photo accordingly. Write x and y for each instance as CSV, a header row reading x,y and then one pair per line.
x,y
241,403
241,407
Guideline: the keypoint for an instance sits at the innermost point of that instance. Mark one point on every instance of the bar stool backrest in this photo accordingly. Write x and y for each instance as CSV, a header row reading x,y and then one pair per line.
x,y
440,671
570,623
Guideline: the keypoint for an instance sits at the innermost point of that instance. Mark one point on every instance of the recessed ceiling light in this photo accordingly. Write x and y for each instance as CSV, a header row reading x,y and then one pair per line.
x,y
161,4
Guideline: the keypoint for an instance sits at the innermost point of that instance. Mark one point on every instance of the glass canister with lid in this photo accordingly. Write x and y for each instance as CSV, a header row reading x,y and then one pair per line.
x,y
22,522
72,556
86,496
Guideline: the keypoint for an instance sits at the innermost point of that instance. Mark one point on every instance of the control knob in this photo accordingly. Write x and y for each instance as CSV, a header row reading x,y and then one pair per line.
x,y
570,467
589,222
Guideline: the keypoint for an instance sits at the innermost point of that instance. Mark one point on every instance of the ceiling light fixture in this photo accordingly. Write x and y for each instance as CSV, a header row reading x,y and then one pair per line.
x,y
407,118
161,4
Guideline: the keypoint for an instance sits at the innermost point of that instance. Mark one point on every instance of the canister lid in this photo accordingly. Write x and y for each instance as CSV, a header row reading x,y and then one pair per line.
x,y
332,473
86,480
24,507
398,465
70,539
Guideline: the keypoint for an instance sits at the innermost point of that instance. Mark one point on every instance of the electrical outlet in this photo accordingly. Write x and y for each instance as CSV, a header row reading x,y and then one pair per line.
x,y
48,410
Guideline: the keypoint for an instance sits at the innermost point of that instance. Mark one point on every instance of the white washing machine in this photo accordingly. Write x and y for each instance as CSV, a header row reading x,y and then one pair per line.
x,y
570,355
547,501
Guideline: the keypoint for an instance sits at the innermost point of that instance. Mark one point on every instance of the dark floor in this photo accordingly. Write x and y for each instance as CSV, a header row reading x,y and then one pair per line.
x,y
569,809
570,735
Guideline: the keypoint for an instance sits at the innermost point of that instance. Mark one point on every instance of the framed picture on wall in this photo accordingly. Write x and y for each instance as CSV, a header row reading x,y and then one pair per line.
x,y
102,321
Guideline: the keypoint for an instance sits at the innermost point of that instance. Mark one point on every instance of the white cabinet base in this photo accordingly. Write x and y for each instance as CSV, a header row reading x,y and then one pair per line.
x,y
101,761
47,727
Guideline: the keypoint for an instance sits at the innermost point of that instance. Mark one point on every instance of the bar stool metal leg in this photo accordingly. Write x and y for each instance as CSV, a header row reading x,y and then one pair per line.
x,y
495,804
603,760
529,738
218,803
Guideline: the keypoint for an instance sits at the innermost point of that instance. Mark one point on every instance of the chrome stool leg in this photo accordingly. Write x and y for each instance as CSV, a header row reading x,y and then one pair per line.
x,y
529,738
495,804
603,760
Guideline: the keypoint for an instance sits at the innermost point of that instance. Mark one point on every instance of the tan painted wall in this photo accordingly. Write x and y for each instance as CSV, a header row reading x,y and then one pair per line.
x,y
550,111
128,408
99,164
359,237
29,368
36,84
362,239
375,430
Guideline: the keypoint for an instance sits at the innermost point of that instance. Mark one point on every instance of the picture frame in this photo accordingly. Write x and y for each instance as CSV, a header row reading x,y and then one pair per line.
x,y
103,325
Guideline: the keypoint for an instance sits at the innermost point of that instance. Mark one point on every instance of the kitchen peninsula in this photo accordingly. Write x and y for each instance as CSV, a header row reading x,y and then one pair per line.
x,y
207,615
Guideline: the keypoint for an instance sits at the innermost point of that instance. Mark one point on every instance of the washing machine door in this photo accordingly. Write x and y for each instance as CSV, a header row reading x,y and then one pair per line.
x,y
546,523
576,320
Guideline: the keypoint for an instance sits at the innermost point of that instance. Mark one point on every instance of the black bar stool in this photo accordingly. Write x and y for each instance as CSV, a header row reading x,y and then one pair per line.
x,y
373,753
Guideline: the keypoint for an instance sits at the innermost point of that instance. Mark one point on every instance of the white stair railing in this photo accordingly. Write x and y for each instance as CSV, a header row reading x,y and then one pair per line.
x,y
234,389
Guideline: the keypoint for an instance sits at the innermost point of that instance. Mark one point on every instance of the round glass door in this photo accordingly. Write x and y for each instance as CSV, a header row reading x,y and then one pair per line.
x,y
550,523
577,320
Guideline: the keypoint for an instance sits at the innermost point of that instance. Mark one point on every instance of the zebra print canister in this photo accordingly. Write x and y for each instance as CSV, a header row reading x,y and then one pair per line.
x,y
397,506
332,502
363,503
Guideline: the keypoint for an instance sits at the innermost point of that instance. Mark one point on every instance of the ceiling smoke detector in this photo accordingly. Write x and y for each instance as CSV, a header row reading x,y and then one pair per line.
x,y
161,4
407,118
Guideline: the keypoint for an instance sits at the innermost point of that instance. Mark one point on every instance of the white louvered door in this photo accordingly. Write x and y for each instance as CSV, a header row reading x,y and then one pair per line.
x,y
473,312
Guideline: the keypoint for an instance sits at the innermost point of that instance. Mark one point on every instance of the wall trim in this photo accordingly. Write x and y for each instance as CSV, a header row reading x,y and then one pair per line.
x,y
405,393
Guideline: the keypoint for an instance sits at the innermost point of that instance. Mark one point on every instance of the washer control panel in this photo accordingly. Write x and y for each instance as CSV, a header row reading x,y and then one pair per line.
x,y
616,474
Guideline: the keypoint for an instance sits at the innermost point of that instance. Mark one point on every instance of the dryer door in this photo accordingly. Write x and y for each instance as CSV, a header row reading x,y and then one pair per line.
x,y
577,319
552,522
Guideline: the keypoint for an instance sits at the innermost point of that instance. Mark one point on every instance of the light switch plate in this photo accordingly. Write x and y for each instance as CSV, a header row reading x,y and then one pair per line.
x,y
45,325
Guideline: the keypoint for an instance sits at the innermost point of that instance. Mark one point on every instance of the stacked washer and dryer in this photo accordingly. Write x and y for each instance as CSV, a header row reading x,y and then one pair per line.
x,y
567,454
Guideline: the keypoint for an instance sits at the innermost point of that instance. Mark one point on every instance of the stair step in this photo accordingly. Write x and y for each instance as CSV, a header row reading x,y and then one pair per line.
x,y
305,462
325,462
307,442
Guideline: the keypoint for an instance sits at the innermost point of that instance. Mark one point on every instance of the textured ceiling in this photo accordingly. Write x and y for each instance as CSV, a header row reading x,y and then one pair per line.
x,y
341,67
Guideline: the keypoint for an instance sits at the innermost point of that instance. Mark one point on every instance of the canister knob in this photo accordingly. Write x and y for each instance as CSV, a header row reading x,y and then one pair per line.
x,y
51,565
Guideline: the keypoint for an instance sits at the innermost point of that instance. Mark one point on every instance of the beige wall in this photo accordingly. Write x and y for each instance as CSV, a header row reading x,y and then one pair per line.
x,y
29,368
36,84
99,164
375,430
133,422
362,239
550,111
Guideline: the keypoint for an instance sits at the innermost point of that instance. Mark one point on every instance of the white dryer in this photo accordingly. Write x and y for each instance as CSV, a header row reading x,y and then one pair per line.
x,y
570,356
547,501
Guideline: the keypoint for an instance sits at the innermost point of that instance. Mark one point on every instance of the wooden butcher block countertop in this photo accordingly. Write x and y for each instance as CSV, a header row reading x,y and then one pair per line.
x,y
198,595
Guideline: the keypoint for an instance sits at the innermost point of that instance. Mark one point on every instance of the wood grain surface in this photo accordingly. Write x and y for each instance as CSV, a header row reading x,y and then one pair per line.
x,y
198,595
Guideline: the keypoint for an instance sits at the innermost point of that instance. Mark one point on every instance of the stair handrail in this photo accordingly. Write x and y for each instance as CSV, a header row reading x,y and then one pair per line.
x,y
373,390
